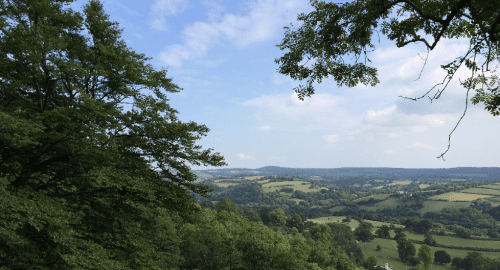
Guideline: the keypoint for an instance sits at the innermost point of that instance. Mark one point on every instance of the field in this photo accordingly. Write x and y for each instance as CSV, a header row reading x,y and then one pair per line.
x,y
404,183
435,206
387,203
422,186
482,191
296,185
457,242
376,197
458,197
492,186
389,253
253,177
353,224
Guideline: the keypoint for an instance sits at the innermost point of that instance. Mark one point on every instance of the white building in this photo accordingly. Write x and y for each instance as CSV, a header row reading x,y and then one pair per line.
x,y
387,266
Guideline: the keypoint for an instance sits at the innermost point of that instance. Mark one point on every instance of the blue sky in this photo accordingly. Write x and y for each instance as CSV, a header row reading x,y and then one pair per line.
x,y
222,53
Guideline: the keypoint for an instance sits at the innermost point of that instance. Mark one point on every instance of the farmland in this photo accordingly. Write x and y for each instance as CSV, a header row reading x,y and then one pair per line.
x,y
486,191
458,197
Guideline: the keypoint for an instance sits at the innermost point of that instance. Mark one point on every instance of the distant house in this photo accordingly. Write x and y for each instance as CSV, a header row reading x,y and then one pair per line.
x,y
387,266
401,192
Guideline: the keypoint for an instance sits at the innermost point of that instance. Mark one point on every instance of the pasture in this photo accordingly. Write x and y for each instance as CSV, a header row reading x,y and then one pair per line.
x,y
403,183
458,197
389,253
376,197
435,206
456,241
482,191
296,185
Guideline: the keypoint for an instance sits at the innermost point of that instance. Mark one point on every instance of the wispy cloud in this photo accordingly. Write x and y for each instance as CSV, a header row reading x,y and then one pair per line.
x,y
243,156
265,127
163,8
331,138
264,20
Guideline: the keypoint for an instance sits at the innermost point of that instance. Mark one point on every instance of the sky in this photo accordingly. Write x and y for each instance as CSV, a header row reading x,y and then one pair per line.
x,y
222,54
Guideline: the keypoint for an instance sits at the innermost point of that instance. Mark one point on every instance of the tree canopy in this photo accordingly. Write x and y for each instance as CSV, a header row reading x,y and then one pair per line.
x,y
93,169
333,32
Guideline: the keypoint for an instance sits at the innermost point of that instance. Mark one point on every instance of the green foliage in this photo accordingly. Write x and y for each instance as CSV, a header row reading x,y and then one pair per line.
x,y
85,184
425,254
334,32
370,262
406,249
364,232
429,240
383,232
442,257
379,248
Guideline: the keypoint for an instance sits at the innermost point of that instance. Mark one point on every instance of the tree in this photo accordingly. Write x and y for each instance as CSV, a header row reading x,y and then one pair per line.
x,y
442,257
425,254
399,233
333,31
383,232
406,249
429,240
227,205
370,262
84,183
364,232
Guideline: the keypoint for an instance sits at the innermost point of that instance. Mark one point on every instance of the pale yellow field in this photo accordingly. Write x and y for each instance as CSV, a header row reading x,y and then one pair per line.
x,y
263,181
253,177
405,182
423,186
458,196
378,187
225,185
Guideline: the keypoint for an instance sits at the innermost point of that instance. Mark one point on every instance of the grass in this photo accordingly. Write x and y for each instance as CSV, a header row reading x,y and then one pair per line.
x,y
404,183
353,224
492,186
435,206
389,253
458,196
457,242
387,203
482,191
376,197
296,185
253,177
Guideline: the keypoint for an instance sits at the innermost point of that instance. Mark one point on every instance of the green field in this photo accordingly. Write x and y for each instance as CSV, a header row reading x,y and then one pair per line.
x,y
389,253
375,197
458,196
353,224
296,185
457,242
435,206
482,191
387,203
492,186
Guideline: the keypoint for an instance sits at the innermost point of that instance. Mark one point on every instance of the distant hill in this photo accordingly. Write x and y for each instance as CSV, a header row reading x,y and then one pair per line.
x,y
466,173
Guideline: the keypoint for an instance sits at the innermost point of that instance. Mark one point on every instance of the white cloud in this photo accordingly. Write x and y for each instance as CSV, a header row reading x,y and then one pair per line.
x,y
419,145
291,105
394,134
372,115
163,8
214,9
419,128
331,138
243,156
265,19
265,127
388,152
